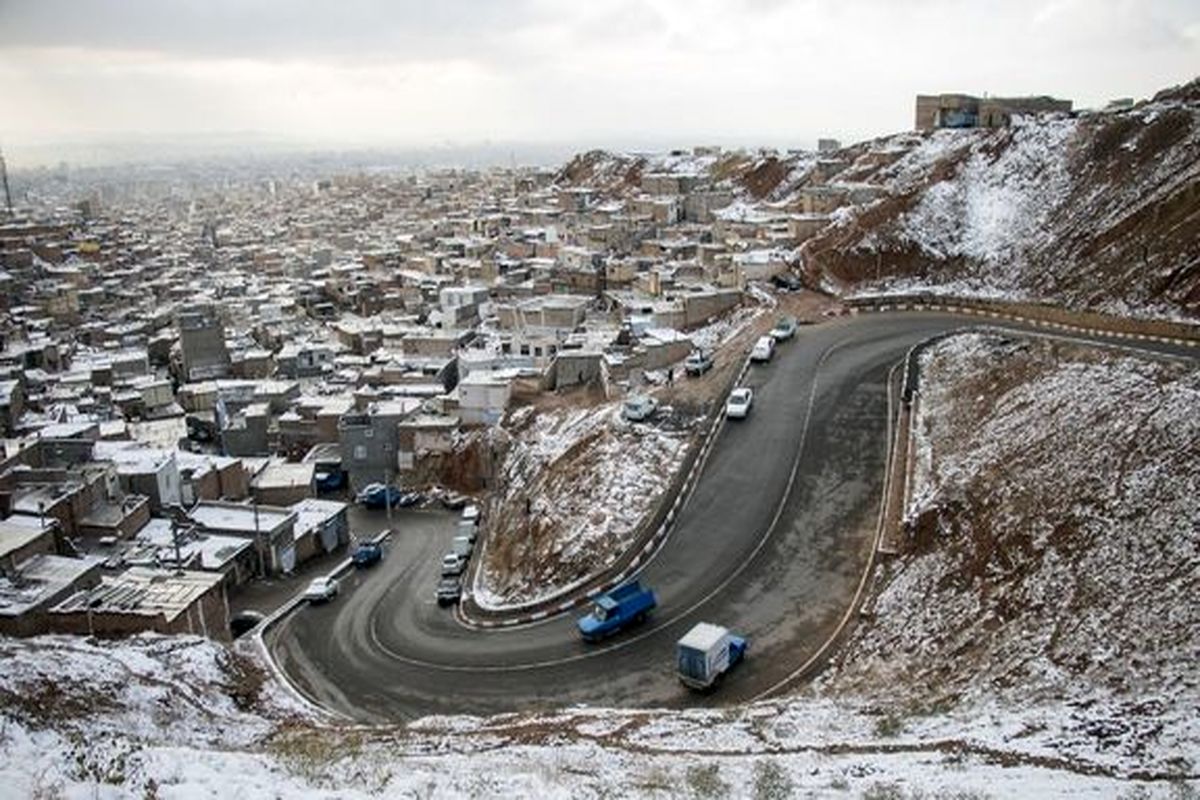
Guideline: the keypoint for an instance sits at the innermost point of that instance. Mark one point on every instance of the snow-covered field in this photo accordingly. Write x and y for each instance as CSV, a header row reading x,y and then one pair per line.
x,y
170,718
574,485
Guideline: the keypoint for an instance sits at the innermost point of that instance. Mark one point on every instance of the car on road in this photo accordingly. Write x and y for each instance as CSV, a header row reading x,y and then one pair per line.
x,y
471,514
639,408
449,590
453,564
321,590
738,404
698,363
763,349
785,328
706,653
624,606
463,546
367,554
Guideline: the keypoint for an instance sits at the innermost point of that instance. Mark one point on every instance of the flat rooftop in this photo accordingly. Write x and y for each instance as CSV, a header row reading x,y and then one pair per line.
x,y
237,518
141,590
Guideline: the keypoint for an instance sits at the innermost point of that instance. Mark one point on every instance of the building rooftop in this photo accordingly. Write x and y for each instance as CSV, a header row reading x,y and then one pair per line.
x,y
40,578
145,591
240,519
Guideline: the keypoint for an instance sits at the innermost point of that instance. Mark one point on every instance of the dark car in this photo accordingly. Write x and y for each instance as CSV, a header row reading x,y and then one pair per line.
x,y
330,480
367,554
787,282
449,590
377,495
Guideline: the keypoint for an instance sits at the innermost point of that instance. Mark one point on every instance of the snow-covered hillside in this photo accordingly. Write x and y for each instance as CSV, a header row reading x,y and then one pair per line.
x,y
181,718
1099,212
1054,549
574,485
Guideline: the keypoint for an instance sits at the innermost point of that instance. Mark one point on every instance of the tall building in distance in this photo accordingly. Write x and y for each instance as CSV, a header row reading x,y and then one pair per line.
x,y
202,343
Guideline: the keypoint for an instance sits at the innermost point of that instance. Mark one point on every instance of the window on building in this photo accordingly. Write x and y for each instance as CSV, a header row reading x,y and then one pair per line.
x,y
524,349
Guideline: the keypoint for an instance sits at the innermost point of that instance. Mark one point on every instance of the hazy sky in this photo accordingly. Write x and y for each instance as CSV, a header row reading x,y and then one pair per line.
x,y
419,72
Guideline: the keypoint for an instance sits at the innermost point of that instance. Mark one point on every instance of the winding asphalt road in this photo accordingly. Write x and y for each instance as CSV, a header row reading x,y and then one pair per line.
x,y
772,543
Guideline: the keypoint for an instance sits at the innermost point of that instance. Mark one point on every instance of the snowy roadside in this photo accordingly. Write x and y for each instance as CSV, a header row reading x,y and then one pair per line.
x,y
173,718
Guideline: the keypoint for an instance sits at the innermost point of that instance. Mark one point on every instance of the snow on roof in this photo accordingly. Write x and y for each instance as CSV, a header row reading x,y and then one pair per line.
x,y
238,518
703,636
312,512
282,476
40,578
140,590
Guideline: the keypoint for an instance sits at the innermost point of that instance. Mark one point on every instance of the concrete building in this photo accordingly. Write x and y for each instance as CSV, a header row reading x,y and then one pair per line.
x,y
40,582
142,599
271,529
967,111
202,344
370,440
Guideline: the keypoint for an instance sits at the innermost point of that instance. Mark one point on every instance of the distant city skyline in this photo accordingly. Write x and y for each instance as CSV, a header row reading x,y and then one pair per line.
x,y
98,77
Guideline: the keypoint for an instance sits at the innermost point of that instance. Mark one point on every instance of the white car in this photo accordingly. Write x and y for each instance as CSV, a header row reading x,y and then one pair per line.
x,y
471,514
321,590
453,564
738,405
639,408
463,546
764,348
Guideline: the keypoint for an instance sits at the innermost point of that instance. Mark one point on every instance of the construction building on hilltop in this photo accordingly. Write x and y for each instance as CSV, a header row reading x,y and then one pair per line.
x,y
966,111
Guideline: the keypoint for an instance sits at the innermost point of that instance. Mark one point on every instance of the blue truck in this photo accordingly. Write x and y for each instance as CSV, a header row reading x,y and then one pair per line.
x,y
626,605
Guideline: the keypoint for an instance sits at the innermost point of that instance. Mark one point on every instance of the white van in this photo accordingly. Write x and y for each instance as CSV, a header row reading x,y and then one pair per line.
x,y
764,348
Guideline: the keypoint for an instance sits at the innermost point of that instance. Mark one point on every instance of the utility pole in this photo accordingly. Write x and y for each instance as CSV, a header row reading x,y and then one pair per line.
x,y
262,561
387,494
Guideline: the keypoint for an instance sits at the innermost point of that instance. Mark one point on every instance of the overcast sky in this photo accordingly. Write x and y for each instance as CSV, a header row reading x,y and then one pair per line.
x,y
346,73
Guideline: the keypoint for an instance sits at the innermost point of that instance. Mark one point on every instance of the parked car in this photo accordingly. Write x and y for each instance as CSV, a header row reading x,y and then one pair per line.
x,y
471,514
468,530
463,546
449,590
330,480
378,495
763,349
698,363
738,405
453,564
785,328
639,408
455,501
367,554
787,282
321,590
